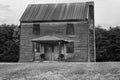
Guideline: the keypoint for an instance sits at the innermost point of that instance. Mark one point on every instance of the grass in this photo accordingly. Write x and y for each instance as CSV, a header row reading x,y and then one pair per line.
x,y
60,71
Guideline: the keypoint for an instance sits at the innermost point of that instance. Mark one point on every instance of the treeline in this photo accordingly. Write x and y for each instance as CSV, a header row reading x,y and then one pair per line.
x,y
107,43
9,43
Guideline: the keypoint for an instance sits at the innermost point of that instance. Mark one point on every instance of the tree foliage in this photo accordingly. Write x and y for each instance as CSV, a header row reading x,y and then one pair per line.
x,y
108,44
9,43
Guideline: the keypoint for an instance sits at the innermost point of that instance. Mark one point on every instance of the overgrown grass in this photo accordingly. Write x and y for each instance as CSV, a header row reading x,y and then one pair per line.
x,y
60,71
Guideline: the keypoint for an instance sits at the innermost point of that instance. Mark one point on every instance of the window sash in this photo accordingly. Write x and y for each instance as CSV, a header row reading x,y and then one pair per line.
x,y
70,47
70,29
36,29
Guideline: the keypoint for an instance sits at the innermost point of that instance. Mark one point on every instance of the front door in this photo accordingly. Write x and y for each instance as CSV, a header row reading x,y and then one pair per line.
x,y
49,50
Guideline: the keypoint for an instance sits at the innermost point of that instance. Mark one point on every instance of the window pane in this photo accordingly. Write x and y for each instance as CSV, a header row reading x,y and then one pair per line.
x,y
36,29
70,47
70,29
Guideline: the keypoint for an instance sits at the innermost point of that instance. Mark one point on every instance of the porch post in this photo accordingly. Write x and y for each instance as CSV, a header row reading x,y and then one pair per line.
x,y
33,51
65,50
59,51
40,51
40,47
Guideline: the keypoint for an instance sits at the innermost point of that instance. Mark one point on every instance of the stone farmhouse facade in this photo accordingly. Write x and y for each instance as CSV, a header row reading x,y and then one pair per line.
x,y
58,32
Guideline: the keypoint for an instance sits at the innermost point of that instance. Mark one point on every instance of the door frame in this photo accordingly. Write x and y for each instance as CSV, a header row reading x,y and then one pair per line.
x,y
51,46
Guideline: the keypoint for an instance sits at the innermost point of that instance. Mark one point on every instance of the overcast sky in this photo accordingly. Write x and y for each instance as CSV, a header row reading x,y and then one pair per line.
x,y
107,12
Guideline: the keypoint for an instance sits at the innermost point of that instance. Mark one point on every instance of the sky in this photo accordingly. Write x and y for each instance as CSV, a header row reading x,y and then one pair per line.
x,y
107,12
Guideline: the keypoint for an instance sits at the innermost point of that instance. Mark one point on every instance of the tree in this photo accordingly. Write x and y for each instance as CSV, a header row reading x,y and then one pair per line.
x,y
108,44
101,43
9,45
114,44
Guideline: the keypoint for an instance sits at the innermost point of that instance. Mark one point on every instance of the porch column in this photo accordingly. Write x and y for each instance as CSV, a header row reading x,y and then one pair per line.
x,y
40,51
59,50
35,51
40,48
65,50
33,44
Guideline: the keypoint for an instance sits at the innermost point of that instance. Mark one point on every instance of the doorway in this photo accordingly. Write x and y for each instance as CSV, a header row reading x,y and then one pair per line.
x,y
49,52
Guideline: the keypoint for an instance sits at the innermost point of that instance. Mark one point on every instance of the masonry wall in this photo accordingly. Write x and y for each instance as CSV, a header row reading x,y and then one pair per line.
x,y
80,39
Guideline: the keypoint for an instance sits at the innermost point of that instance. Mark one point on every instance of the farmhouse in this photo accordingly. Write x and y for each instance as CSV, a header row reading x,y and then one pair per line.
x,y
58,32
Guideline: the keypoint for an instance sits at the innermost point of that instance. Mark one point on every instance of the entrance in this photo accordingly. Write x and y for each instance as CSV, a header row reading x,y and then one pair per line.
x,y
49,50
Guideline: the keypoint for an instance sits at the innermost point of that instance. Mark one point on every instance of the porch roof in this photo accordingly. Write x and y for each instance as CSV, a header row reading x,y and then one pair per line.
x,y
51,38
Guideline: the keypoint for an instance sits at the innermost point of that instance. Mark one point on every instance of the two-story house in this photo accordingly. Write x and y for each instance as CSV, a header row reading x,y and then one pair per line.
x,y
58,32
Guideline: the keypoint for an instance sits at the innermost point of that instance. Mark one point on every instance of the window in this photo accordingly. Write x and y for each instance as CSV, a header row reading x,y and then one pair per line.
x,y
36,29
70,47
91,12
70,29
36,47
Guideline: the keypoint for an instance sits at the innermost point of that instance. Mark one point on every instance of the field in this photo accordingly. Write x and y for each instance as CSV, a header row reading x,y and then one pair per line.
x,y
60,71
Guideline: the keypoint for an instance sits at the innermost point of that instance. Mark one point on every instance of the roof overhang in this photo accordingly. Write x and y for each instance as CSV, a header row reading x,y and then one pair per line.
x,y
48,21
51,39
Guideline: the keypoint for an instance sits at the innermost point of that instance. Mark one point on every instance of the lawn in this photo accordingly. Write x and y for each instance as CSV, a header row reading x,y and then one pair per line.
x,y
60,71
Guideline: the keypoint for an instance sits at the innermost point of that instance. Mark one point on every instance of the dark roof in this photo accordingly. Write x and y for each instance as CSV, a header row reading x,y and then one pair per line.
x,y
56,12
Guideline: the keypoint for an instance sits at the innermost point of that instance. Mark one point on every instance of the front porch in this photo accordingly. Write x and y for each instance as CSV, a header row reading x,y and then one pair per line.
x,y
49,48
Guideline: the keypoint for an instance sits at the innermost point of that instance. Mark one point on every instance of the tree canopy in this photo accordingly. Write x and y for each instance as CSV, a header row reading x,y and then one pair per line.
x,y
9,43
108,44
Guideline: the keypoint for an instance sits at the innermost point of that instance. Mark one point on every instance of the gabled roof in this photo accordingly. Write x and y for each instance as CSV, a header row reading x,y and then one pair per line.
x,y
56,12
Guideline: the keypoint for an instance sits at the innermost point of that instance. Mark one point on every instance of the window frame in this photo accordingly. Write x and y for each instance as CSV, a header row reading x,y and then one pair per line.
x,y
36,29
70,29
69,48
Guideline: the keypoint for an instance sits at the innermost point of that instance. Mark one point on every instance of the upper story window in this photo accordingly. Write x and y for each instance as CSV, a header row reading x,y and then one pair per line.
x,y
91,12
36,29
70,29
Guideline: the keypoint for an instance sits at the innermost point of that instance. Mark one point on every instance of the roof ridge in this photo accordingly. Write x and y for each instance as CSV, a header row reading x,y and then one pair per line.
x,y
63,3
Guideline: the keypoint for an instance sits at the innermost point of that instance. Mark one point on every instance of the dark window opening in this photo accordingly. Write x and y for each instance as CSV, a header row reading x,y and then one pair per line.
x,y
70,29
36,29
36,47
70,47
91,12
